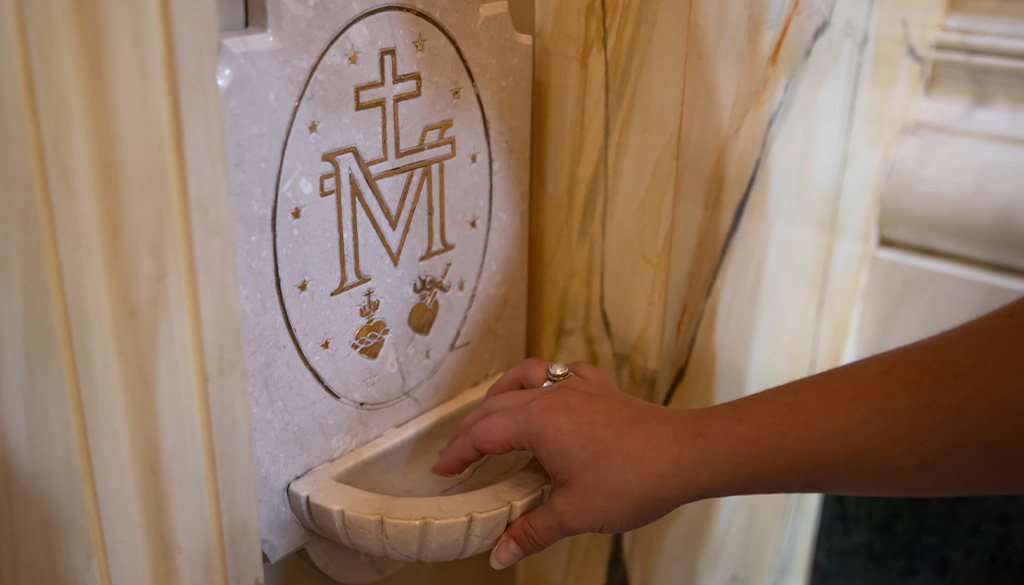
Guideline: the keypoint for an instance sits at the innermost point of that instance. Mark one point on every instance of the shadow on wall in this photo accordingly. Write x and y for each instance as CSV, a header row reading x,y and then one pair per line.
x,y
239,15
294,570
521,12
33,537
927,541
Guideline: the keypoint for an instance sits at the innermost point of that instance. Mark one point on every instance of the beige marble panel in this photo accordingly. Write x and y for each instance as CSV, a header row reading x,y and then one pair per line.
x,y
49,517
137,454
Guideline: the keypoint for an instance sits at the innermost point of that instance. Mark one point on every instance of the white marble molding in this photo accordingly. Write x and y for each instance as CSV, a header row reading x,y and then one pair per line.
x,y
956,177
952,212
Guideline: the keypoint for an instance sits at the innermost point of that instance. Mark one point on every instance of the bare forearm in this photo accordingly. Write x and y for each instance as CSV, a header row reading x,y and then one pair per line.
x,y
944,416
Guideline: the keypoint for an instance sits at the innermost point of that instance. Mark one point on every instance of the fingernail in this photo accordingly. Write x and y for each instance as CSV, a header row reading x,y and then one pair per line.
x,y
505,554
436,472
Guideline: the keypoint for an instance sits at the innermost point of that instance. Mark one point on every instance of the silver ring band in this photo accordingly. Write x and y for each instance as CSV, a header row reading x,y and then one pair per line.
x,y
557,372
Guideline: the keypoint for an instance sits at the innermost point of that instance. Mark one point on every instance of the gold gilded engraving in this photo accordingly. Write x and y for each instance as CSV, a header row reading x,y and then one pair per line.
x,y
371,336
472,223
375,95
303,285
379,183
353,177
472,158
424,312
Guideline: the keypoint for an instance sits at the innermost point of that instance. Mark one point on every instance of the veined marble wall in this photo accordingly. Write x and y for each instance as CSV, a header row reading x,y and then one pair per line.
x,y
705,180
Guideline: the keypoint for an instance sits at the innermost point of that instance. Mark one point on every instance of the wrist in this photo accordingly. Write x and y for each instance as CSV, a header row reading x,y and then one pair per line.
x,y
709,455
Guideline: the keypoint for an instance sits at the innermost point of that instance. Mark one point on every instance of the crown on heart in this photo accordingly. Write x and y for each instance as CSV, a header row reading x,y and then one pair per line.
x,y
370,306
429,283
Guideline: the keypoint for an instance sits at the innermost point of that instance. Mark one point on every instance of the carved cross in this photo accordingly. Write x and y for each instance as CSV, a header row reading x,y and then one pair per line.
x,y
386,93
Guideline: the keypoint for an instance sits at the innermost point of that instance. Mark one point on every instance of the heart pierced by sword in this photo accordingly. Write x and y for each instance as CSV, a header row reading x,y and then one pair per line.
x,y
430,299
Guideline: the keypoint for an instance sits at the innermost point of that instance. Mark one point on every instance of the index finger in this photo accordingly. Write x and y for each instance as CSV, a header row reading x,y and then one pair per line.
x,y
495,434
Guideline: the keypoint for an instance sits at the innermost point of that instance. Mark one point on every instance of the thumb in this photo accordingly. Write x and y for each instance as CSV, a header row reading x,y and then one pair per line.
x,y
530,533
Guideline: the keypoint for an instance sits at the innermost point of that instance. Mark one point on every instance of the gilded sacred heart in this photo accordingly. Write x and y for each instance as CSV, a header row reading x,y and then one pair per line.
x,y
371,336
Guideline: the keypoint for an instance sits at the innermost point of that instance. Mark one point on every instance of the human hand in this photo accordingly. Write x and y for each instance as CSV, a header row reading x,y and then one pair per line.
x,y
616,462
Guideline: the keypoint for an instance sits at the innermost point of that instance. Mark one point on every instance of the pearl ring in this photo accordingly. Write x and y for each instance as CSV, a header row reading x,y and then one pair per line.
x,y
556,373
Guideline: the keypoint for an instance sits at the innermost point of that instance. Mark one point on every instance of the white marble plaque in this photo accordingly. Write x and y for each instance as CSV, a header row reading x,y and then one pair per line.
x,y
380,162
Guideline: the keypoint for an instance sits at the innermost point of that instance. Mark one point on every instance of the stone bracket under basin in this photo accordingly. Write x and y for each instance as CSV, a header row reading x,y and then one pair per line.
x,y
382,500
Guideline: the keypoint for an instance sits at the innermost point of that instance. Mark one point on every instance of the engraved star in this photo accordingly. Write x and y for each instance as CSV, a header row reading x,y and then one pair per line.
x,y
326,344
462,284
420,42
472,223
472,158
296,212
312,127
352,56
428,354
456,93
305,283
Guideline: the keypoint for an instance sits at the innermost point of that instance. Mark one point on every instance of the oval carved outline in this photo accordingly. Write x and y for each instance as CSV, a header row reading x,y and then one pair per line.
x,y
277,192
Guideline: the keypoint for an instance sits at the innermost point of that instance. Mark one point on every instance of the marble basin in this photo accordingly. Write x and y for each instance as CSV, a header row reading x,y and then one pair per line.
x,y
382,500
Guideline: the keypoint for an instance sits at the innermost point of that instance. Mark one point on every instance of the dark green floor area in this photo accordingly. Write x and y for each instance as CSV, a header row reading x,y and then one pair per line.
x,y
941,541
